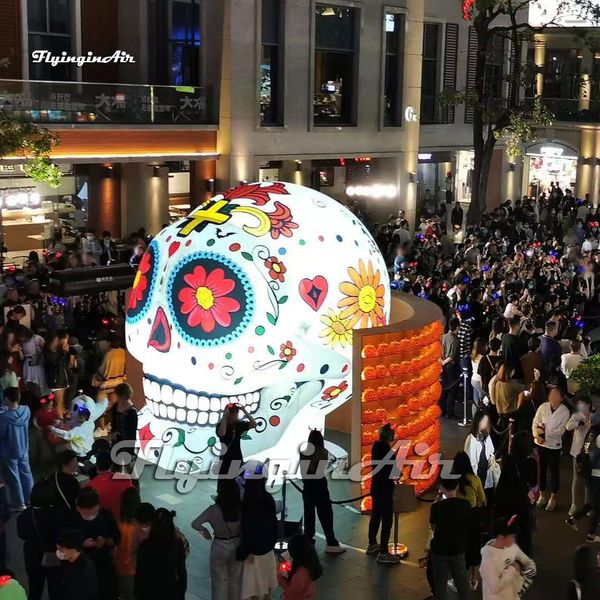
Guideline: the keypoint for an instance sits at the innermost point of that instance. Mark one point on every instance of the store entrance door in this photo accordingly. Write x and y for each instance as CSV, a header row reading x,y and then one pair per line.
x,y
551,164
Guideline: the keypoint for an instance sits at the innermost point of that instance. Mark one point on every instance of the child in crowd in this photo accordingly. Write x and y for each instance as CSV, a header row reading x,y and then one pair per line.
x,y
79,438
298,579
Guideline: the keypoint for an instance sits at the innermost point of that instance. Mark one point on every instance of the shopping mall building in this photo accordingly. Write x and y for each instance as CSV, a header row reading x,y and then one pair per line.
x,y
339,95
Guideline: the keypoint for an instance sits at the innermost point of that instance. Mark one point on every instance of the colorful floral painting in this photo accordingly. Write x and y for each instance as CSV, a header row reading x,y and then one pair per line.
x,y
364,297
281,221
143,284
210,298
337,332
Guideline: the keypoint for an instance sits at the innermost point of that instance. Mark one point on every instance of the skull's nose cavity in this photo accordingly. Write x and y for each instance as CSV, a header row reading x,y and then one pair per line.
x,y
160,334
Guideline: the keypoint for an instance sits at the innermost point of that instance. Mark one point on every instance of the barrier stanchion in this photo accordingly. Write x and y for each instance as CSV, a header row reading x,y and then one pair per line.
x,y
281,545
465,420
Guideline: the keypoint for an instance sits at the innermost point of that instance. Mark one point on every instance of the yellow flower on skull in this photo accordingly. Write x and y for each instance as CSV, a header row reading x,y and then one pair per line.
x,y
336,331
364,297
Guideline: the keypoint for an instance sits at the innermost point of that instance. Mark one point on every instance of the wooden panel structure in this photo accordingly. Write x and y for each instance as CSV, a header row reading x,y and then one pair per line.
x,y
10,38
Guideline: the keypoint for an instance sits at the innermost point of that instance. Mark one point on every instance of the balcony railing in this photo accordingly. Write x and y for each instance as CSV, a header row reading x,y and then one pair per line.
x,y
569,109
105,103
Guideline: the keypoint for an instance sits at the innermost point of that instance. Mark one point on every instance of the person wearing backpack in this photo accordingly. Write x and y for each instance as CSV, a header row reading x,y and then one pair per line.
x,y
586,583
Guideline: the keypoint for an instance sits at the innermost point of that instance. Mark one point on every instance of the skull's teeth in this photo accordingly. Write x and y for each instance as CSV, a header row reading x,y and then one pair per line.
x,y
175,404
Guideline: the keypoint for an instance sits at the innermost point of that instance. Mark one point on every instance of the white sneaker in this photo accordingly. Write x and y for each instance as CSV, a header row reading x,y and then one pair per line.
x,y
451,586
551,503
592,539
542,501
335,549
100,432
474,585
572,510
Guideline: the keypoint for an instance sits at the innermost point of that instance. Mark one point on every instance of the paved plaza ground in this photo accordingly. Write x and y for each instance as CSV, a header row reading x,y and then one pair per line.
x,y
354,575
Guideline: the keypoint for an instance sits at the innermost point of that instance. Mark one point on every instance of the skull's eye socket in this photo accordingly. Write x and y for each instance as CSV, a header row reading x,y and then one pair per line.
x,y
210,298
143,284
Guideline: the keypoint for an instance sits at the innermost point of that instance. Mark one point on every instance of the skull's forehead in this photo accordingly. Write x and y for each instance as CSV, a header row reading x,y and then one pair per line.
x,y
260,285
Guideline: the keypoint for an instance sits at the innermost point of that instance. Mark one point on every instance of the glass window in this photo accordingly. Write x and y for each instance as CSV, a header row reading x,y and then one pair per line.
x,y
184,42
562,73
494,68
271,63
394,68
336,41
430,75
50,25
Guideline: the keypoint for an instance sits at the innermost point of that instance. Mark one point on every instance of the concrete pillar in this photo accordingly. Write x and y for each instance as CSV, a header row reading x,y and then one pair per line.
x,y
200,172
413,53
586,158
144,197
539,58
104,198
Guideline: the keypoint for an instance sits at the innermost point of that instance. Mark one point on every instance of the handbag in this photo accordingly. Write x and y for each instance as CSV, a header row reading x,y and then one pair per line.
x,y
49,559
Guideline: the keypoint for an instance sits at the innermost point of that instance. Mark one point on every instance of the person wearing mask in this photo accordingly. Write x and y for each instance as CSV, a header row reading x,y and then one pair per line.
x,y
470,488
315,494
489,364
80,437
32,346
383,460
109,249
549,425
456,216
532,360
57,368
449,520
592,467
550,348
580,423
224,518
450,368
62,488
511,347
37,527
258,535
14,449
125,553
298,583
136,257
100,536
78,579
91,246
13,320
585,585
111,371
110,485
503,564
230,431
569,363
480,449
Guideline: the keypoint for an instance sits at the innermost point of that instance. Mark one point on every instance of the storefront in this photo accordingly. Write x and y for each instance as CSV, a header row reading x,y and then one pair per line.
x,y
434,178
547,163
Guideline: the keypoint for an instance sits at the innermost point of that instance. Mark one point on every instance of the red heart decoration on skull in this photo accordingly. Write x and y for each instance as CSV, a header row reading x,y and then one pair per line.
x,y
314,291
173,248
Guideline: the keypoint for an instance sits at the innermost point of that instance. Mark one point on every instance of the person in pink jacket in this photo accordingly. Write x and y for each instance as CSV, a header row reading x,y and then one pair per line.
x,y
297,578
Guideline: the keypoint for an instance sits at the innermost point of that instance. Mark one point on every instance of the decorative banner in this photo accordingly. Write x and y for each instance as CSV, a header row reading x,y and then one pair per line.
x,y
251,299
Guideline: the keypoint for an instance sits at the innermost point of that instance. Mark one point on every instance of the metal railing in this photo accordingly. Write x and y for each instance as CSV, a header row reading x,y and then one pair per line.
x,y
73,102
570,109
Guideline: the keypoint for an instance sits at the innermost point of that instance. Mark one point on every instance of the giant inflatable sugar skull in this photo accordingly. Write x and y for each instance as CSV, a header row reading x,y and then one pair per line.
x,y
251,299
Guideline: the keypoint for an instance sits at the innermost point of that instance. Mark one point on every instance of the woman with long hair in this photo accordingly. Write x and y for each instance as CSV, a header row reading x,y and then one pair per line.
x,y
315,495
224,518
57,369
586,583
511,498
480,450
257,540
299,582
504,391
470,488
124,554
161,571
477,354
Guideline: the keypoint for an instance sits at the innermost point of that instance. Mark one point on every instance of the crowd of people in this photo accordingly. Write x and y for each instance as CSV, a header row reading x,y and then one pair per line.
x,y
519,292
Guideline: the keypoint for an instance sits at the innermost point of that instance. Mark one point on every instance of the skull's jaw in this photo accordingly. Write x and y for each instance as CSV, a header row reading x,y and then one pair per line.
x,y
171,402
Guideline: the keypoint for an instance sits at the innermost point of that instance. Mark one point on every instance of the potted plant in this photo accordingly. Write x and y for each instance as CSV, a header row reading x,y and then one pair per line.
x,y
587,375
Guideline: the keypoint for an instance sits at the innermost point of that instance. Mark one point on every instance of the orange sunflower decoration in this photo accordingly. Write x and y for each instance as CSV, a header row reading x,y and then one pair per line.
x,y
364,297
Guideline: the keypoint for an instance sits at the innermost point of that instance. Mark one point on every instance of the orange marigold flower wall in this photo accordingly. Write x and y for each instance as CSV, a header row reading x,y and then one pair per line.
x,y
400,385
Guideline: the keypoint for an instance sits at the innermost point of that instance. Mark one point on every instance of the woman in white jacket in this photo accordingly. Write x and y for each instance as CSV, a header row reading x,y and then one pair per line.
x,y
505,568
480,449
549,425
